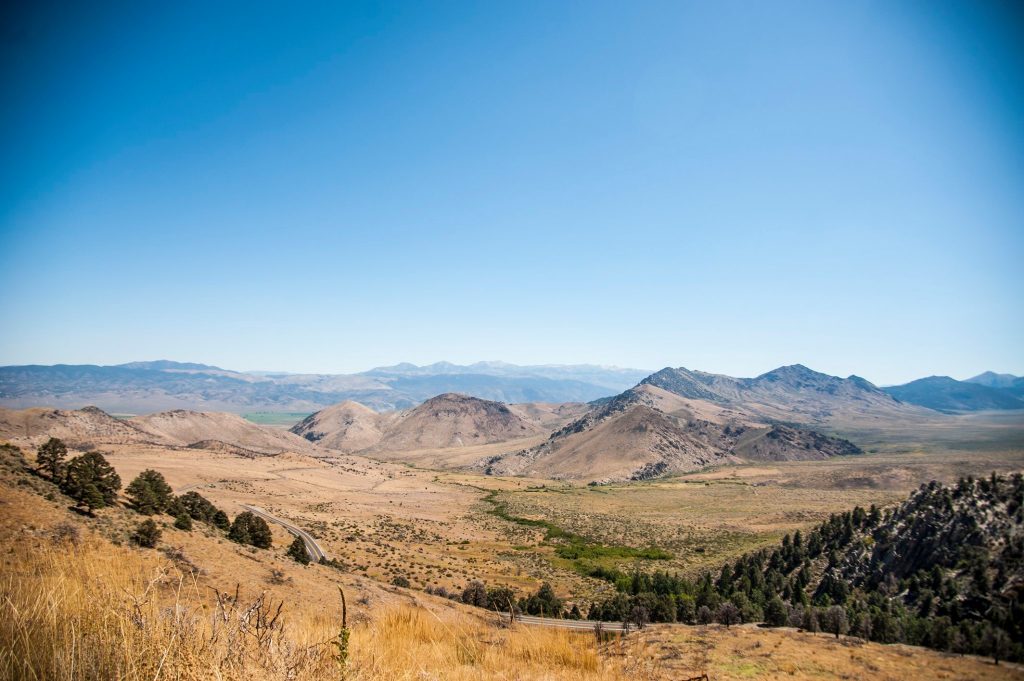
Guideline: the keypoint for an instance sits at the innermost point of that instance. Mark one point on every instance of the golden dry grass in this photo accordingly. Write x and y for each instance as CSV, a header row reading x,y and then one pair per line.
x,y
92,610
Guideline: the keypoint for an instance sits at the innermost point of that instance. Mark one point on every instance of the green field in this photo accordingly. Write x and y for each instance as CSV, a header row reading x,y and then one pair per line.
x,y
277,419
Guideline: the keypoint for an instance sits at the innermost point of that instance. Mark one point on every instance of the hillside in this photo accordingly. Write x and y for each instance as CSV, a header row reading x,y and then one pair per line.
x,y
142,387
453,420
187,428
70,578
348,426
80,427
446,421
647,432
943,569
946,394
993,380
790,393
92,427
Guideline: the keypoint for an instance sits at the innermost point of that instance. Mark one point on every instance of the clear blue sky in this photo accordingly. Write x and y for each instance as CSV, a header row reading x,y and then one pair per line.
x,y
724,186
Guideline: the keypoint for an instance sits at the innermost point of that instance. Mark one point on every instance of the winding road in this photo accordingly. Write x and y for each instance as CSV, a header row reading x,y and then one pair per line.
x,y
316,553
578,625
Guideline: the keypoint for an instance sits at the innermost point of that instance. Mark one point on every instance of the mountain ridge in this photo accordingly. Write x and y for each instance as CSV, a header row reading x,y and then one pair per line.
x,y
163,385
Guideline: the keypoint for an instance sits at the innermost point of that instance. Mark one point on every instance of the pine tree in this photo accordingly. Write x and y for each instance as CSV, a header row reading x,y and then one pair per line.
x,y
239,531
50,458
260,534
249,528
91,481
297,551
220,520
775,613
149,493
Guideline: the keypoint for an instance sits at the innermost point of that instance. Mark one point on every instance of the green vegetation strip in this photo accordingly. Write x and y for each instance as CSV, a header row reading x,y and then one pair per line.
x,y
575,547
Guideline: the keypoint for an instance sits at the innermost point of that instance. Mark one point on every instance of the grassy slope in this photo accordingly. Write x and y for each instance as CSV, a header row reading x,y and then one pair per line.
x,y
96,609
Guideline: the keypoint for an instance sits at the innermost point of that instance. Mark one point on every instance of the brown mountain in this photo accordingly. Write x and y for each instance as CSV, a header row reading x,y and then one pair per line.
x,y
648,431
446,421
790,393
187,428
347,426
79,428
453,420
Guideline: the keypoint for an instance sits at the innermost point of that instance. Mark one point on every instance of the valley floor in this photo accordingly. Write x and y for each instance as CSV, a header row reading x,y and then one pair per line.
x,y
436,528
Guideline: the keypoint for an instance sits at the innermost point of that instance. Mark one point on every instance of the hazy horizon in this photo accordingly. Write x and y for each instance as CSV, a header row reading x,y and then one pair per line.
x,y
498,361
724,186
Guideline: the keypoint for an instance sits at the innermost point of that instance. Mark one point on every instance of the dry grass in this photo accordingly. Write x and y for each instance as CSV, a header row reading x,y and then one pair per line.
x,y
91,610
748,652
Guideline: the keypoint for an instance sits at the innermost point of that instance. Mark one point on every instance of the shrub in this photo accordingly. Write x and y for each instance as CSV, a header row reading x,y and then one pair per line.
x,y
183,522
728,614
147,533
475,593
400,580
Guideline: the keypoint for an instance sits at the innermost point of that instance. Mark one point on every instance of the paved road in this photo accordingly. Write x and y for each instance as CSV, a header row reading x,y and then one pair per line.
x,y
579,625
316,553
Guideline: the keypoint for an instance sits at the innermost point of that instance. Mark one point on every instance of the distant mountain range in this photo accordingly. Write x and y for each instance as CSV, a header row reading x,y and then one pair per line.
x,y
671,421
981,393
142,387
678,420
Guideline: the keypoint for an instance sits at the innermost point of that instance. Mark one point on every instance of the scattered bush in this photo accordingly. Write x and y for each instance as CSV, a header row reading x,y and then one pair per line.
x,y
147,533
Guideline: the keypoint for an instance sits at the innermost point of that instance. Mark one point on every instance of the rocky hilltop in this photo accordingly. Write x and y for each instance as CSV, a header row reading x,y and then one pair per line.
x,y
648,431
789,393
449,420
92,427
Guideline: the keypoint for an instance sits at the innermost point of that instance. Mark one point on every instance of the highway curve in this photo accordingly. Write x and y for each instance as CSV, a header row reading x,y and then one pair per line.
x,y
316,553
578,625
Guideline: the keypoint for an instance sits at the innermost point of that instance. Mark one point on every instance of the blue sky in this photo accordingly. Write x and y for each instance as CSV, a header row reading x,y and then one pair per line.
x,y
723,186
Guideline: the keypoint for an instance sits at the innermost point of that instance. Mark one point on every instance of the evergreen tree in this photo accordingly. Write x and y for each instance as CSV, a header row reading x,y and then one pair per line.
x,y
249,528
50,458
91,481
775,613
149,493
297,552
221,521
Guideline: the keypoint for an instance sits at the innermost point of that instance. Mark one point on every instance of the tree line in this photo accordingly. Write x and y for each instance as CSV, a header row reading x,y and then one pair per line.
x,y
92,483
941,570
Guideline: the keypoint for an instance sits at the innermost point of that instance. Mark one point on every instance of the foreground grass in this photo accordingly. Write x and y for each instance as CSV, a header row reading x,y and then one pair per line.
x,y
90,610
